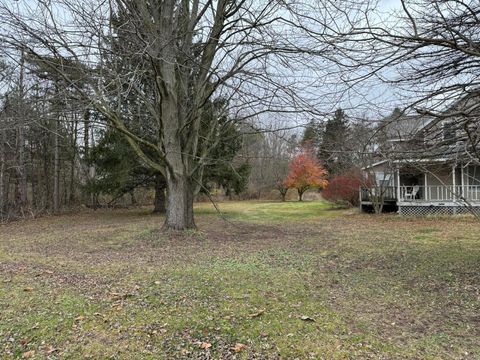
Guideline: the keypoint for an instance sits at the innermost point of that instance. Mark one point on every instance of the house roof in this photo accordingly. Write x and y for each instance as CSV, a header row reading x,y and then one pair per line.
x,y
404,127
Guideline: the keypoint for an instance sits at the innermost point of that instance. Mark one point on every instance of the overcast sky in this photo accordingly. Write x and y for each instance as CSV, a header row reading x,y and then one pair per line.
x,y
373,99
389,4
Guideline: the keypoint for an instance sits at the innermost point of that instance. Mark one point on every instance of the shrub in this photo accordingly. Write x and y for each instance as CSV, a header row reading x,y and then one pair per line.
x,y
344,188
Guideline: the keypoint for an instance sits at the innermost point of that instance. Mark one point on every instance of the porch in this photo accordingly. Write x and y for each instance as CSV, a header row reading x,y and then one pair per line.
x,y
439,185
415,194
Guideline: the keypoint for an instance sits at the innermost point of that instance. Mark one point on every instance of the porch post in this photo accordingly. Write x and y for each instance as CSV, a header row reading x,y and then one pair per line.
x,y
425,184
398,184
461,180
454,193
360,197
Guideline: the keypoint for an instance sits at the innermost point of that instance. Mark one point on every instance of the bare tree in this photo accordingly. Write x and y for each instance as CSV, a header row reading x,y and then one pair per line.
x,y
246,51
269,152
429,50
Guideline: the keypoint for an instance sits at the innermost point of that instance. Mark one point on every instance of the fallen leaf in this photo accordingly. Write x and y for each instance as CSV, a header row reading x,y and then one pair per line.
x,y
28,354
79,318
28,289
205,345
257,314
25,341
239,347
306,318
49,349
117,306
116,296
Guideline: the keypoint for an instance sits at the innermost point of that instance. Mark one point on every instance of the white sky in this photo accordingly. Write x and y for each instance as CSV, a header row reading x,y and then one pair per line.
x,y
371,100
389,4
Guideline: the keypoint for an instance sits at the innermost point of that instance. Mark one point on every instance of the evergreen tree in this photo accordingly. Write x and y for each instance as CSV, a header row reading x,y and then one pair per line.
x,y
334,150
313,134
224,168
119,171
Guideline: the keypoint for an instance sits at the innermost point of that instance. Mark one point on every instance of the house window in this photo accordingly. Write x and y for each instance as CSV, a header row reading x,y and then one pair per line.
x,y
449,131
382,179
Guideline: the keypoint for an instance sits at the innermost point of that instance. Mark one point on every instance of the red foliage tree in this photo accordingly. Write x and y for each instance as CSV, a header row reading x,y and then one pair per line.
x,y
304,172
344,188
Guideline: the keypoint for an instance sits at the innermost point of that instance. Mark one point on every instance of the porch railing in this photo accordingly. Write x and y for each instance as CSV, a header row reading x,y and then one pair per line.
x,y
430,193
385,192
440,193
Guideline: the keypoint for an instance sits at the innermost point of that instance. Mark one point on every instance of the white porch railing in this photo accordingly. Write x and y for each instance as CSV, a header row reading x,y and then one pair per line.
x,y
440,193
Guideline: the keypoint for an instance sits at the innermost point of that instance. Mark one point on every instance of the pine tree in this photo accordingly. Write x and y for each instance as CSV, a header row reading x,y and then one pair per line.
x,y
334,149
313,134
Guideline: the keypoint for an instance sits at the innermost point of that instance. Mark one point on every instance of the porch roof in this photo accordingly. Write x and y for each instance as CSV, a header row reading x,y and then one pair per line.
x,y
413,162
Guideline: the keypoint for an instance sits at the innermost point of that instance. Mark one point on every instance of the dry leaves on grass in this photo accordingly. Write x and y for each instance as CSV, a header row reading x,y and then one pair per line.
x,y
49,349
28,354
239,347
205,345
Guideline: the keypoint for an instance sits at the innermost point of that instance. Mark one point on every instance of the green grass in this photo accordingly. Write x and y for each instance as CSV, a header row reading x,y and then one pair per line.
x,y
108,284
263,211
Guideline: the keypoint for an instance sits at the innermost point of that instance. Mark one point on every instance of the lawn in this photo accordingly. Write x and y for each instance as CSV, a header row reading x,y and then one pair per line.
x,y
267,281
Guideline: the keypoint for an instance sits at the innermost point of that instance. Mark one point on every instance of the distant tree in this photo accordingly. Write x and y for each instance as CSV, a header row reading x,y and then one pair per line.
x,y
305,173
233,179
119,171
268,154
224,168
282,187
344,188
333,150
313,134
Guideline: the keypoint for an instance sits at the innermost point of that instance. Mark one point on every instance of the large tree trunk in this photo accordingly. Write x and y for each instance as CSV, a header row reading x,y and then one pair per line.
x,y
160,198
179,204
